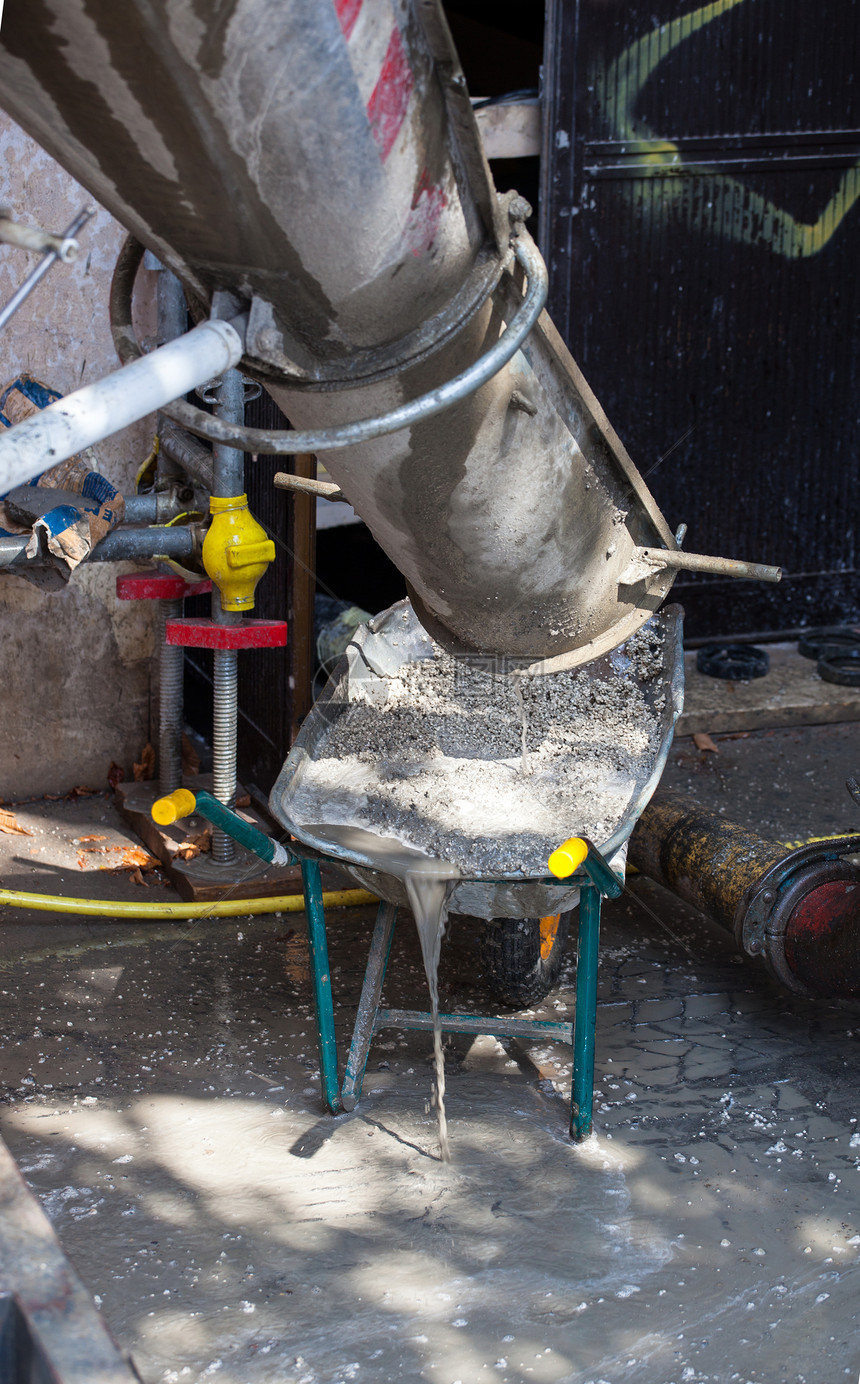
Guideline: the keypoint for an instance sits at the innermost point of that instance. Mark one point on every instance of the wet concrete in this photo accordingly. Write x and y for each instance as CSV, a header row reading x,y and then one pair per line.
x,y
161,1096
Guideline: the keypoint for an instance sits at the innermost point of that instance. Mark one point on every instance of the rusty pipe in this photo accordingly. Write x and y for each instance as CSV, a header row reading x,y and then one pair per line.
x,y
797,911
653,559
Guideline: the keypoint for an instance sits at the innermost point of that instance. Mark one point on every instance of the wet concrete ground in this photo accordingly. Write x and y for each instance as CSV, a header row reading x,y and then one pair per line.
x,y
161,1096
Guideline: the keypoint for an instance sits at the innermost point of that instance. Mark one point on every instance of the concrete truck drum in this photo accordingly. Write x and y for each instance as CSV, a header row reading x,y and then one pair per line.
x,y
368,270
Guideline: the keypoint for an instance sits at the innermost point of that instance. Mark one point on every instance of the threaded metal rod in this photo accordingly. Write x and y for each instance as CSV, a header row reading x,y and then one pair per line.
x,y
171,671
228,466
225,682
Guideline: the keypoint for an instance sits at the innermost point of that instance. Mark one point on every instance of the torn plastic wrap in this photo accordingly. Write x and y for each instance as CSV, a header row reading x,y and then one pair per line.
x,y
73,506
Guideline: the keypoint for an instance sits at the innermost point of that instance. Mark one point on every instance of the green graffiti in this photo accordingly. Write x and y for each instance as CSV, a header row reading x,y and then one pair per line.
x,y
734,211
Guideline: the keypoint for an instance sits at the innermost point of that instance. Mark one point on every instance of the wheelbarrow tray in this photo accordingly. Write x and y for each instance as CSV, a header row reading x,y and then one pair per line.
x,y
377,651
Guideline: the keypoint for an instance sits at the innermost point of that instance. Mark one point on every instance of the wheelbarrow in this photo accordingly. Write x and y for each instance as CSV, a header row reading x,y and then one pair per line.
x,y
591,880
523,920
539,906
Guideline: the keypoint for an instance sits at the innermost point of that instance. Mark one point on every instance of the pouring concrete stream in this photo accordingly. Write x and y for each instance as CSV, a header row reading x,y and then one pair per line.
x,y
428,886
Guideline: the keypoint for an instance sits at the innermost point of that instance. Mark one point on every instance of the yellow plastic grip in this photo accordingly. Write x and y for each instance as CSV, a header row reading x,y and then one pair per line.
x,y
250,553
567,858
180,803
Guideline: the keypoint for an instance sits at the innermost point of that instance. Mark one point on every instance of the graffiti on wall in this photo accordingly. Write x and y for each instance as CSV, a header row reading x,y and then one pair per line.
x,y
734,210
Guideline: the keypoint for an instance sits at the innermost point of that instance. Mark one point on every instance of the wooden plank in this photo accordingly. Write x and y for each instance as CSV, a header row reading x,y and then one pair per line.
x,y
790,694
200,879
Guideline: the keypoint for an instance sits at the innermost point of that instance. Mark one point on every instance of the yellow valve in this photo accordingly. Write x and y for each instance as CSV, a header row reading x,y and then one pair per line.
x,y
180,803
236,551
567,858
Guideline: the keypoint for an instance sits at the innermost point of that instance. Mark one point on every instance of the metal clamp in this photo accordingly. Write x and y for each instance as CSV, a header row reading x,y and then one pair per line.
x,y
65,247
52,253
287,443
197,633
208,392
763,914
158,586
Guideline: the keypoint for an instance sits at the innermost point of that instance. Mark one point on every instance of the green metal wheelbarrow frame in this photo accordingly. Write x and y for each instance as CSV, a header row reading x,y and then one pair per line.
x,y
378,650
597,881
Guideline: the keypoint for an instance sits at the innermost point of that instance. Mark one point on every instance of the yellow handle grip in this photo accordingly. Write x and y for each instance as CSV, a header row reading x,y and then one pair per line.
x,y
180,803
247,554
567,858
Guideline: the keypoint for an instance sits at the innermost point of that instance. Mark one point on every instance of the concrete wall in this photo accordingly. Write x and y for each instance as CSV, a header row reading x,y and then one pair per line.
x,y
76,663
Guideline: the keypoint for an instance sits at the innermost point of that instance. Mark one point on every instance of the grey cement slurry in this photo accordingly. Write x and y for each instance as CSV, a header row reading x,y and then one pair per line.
x,y
163,1101
489,770
160,1091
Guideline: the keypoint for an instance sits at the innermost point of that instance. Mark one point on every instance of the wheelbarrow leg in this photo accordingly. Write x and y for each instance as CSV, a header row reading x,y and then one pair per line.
x,y
321,978
368,1005
582,1087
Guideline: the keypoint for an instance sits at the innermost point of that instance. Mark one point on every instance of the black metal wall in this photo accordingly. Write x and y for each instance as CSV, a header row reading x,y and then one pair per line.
x,y
700,177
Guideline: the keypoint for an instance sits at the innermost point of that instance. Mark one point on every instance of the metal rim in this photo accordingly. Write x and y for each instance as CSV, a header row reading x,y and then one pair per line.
x,y
763,914
548,933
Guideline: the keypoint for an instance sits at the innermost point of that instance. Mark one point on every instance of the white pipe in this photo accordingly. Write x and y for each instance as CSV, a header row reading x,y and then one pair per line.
x,y
101,409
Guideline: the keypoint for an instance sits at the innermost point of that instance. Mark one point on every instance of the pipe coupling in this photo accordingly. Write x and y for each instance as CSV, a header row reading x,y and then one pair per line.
x,y
802,918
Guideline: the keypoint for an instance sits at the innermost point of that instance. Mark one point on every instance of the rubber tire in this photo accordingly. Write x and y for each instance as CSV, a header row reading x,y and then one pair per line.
x,y
514,970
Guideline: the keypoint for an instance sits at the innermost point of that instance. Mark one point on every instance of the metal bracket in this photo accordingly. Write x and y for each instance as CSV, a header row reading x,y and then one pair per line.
x,y
208,392
205,634
158,586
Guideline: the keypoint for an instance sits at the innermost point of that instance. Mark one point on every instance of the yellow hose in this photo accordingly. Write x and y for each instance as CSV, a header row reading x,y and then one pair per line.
x,y
226,908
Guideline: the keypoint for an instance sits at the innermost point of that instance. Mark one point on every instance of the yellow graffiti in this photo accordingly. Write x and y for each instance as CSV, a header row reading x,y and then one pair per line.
x,y
735,211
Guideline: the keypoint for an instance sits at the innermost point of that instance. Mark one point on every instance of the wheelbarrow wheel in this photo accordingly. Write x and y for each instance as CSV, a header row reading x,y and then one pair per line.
x,y
522,957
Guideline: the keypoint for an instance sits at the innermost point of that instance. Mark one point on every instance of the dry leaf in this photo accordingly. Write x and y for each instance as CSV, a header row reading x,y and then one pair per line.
x,y
10,824
136,856
115,774
704,742
82,839
144,768
195,845
137,878
190,757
